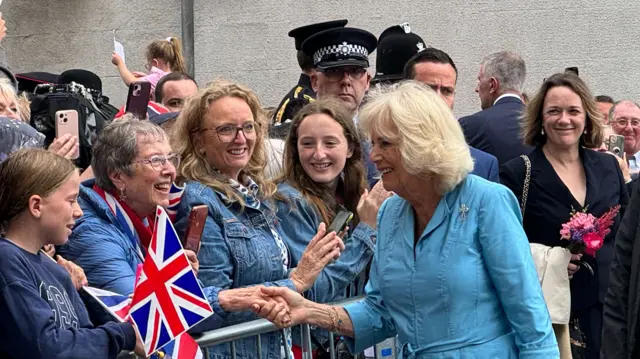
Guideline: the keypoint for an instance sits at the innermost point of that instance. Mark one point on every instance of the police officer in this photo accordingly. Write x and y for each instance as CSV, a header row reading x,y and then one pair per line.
x,y
396,45
302,93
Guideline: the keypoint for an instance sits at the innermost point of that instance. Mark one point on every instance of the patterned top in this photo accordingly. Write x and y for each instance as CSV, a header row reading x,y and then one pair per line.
x,y
15,135
250,195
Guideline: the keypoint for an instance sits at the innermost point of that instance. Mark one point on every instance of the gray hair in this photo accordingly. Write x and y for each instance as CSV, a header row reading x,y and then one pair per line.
x,y
507,67
117,146
613,108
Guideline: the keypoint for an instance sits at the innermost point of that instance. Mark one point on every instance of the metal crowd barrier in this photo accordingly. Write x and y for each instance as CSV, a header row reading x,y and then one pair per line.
x,y
255,329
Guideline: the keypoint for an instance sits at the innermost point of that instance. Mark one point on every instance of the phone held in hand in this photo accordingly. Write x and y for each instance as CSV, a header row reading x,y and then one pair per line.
x,y
138,99
340,221
195,227
616,145
67,123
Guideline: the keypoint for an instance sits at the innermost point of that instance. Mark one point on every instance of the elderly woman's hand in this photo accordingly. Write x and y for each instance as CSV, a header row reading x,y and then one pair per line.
x,y
50,250
78,277
294,313
193,260
65,146
322,249
370,203
241,299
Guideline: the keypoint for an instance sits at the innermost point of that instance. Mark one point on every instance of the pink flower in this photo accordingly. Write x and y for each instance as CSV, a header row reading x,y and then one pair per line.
x,y
565,232
582,221
593,243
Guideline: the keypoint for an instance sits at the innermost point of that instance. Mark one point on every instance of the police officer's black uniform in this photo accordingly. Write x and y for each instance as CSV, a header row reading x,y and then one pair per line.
x,y
302,93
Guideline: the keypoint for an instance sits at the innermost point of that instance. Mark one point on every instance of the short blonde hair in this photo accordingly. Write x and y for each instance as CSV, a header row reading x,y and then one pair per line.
x,y
190,122
532,117
429,138
24,108
7,90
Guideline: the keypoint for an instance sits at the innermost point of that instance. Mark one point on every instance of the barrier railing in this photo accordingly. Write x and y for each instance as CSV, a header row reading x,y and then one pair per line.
x,y
255,329
258,327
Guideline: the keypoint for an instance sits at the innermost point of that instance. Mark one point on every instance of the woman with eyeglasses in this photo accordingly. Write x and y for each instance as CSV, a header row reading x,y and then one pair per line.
x,y
221,140
134,169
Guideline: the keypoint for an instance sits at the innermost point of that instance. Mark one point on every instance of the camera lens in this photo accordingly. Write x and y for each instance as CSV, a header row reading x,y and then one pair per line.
x,y
65,120
61,115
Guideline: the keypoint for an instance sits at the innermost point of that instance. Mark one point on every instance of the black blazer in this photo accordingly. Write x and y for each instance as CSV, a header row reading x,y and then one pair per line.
x,y
622,304
549,205
496,130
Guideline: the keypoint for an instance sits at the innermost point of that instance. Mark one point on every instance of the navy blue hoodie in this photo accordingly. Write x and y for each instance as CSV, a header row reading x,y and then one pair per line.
x,y
42,315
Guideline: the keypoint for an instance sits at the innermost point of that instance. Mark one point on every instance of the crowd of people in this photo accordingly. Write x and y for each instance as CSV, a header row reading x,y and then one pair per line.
x,y
457,229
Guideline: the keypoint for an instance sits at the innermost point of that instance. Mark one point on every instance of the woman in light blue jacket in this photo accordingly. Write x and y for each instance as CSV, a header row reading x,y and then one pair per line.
x,y
452,273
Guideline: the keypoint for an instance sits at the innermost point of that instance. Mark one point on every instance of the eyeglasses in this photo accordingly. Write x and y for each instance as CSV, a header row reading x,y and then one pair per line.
x,y
159,163
623,122
336,74
228,133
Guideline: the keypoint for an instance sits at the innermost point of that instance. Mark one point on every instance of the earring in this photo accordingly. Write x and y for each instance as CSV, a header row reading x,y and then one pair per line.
x,y
542,132
203,152
123,196
585,131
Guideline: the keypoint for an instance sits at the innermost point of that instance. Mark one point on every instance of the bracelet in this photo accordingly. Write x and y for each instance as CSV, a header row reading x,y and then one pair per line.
x,y
338,320
334,320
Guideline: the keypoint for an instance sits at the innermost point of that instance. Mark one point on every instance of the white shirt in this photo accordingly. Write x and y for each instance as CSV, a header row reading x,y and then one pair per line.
x,y
633,164
507,95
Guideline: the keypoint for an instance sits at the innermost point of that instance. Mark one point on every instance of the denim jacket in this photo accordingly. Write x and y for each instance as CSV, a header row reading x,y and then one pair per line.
x,y
237,250
99,245
299,222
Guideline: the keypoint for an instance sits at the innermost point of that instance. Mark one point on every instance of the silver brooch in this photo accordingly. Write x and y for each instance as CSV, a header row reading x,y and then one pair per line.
x,y
420,46
463,211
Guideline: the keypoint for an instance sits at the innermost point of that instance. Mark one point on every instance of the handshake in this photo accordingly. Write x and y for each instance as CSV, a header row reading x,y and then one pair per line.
x,y
286,308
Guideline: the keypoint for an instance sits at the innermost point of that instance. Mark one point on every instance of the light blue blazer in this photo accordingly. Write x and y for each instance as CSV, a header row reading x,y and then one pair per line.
x,y
467,289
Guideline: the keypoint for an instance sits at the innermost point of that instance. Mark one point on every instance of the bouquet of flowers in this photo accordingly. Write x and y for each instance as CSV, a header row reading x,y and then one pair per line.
x,y
586,232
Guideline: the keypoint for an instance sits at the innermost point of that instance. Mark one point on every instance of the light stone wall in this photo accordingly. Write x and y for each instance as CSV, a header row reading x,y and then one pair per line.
x,y
246,40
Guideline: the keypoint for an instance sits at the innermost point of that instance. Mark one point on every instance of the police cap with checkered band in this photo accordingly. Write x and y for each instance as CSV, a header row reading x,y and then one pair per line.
x,y
340,47
304,32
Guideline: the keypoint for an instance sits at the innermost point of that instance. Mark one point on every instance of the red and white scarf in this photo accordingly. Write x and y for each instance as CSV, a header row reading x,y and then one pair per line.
x,y
138,230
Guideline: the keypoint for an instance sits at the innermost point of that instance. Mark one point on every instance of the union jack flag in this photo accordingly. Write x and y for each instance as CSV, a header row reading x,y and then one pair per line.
x,y
117,305
175,195
183,347
167,300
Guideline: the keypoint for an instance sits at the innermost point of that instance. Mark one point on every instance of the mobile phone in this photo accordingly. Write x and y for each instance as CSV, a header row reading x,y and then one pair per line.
x,y
138,99
340,221
616,145
195,226
67,123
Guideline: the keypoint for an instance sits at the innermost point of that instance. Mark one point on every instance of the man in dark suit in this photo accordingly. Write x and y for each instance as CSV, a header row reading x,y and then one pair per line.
x,y
302,93
496,129
436,69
